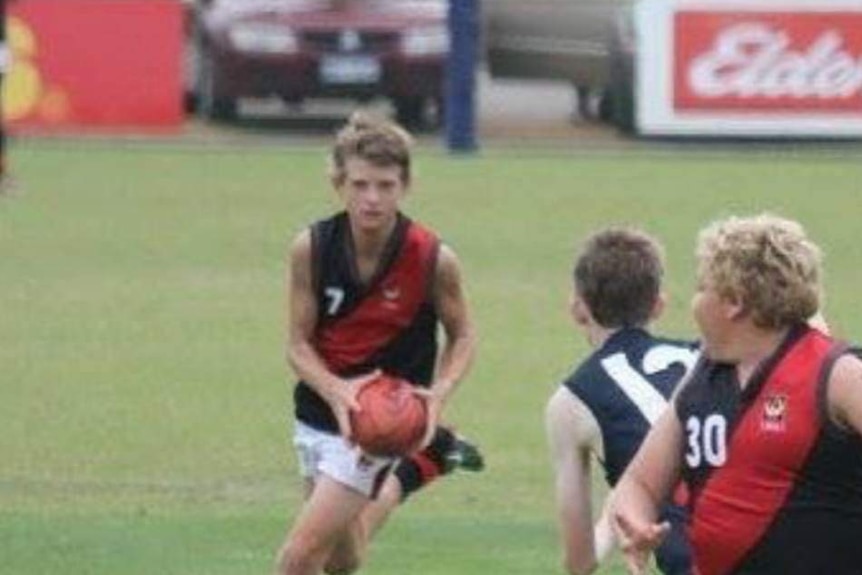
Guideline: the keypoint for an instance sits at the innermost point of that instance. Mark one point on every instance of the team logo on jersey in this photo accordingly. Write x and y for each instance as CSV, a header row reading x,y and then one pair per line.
x,y
774,412
391,296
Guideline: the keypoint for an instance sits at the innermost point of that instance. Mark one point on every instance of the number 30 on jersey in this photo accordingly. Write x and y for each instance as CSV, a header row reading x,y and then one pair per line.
x,y
707,440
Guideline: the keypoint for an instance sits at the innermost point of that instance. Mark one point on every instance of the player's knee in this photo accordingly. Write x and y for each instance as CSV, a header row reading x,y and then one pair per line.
x,y
342,565
298,555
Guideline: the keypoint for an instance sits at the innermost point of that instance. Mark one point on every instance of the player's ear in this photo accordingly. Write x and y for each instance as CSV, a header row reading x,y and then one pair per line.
x,y
579,311
337,181
734,307
658,306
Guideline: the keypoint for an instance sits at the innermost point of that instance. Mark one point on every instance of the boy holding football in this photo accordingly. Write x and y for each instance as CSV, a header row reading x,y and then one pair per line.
x,y
368,288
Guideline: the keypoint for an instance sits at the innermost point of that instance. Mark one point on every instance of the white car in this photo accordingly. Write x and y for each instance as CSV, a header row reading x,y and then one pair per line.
x,y
586,42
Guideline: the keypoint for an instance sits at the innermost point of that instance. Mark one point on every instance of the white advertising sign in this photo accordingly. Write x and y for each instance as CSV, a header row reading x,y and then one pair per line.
x,y
749,68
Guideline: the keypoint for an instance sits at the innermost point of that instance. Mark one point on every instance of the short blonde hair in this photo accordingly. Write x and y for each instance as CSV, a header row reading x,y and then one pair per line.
x,y
765,262
374,139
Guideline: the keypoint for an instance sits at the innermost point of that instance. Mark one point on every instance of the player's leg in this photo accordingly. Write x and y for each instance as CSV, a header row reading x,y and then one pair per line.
x,y
446,453
349,551
375,514
326,520
363,475
328,534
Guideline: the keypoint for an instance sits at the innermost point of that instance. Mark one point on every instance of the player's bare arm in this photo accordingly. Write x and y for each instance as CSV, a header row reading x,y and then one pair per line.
x,y
605,540
845,393
573,437
302,321
459,346
647,481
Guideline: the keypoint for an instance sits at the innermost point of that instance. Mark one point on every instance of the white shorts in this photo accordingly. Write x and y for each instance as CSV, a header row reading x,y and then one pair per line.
x,y
329,454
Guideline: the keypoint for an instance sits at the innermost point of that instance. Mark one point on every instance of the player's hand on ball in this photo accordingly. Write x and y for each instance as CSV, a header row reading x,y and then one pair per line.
x,y
347,401
434,407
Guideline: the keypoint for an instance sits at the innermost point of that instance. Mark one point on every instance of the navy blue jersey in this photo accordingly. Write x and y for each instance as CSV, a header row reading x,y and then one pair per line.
x,y
626,385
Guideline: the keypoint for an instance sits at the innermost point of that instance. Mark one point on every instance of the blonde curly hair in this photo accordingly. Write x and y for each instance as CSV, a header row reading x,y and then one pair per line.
x,y
374,139
765,262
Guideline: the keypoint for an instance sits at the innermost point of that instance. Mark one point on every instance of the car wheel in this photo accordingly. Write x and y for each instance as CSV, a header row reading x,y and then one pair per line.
x,y
622,104
210,105
583,110
190,102
191,57
606,106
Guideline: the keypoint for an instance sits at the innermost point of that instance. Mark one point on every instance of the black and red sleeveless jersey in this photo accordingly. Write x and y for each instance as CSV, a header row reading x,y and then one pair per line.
x,y
775,484
388,323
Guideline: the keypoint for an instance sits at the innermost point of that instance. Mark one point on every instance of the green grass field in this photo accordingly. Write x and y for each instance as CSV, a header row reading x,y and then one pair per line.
x,y
144,400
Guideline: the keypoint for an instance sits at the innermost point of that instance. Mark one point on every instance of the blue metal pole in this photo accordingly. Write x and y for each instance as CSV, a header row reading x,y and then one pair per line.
x,y
461,76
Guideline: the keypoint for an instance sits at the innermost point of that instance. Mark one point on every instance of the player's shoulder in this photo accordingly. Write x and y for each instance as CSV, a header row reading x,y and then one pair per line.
x,y
424,237
326,236
847,369
625,341
300,244
843,384
329,225
633,354
642,340
638,346
692,344
571,420
416,225
315,238
588,369
588,379
699,383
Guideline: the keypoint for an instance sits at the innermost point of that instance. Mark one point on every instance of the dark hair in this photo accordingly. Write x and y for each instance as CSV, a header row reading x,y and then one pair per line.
x,y
374,139
618,275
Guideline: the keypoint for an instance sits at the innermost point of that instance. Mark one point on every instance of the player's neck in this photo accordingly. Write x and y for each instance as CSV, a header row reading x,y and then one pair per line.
x,y
370,243
754,348
368,248
597,335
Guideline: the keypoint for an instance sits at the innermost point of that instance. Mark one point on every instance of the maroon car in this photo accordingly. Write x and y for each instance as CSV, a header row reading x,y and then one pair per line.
x,y
299,49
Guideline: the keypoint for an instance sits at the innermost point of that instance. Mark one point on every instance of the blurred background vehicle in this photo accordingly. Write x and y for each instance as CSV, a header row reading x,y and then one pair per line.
x,y
589,43
300,49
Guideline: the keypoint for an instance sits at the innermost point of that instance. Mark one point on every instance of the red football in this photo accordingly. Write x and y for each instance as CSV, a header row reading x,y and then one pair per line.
x,y
392,420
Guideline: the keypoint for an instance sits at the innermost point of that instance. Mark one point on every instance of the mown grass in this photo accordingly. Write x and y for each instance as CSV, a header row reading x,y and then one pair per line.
x,y
143,396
